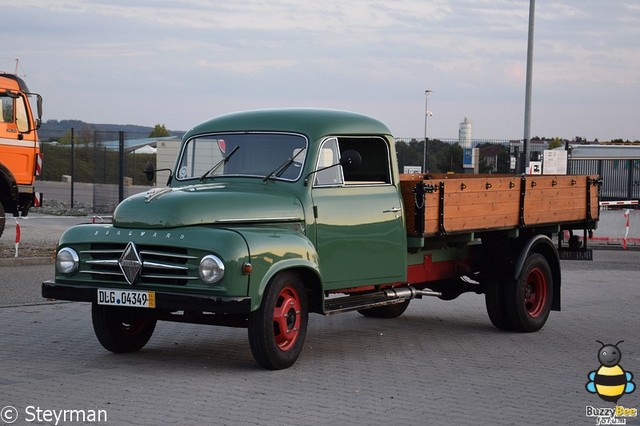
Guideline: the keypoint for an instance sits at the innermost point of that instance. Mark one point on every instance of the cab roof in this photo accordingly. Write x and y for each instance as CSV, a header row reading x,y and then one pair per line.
x,y
314,123
21,85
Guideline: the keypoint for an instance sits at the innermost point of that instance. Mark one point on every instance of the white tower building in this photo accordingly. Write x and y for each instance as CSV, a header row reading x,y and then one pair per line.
x,y
464,134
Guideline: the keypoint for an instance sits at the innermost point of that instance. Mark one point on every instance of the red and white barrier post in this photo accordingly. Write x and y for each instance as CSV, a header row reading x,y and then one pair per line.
x,y
627,213
17,236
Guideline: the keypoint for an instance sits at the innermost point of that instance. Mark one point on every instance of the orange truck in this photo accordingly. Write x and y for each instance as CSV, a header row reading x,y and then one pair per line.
x,y
20,156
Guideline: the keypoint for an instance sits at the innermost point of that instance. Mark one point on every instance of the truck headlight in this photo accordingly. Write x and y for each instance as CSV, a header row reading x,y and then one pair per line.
x,y
211,269
67,261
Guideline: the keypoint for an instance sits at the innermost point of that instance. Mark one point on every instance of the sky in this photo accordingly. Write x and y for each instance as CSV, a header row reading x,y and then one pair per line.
x,y
180,62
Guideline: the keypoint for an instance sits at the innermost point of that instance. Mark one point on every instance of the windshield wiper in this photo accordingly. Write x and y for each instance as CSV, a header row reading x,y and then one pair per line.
x,y
219,163
281,168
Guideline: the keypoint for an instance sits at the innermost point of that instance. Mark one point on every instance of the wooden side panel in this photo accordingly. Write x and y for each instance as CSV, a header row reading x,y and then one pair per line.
x,y
484,202
552,199
477,204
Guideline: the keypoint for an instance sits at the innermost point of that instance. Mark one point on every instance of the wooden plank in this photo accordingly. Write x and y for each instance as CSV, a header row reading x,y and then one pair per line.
x,y
479,223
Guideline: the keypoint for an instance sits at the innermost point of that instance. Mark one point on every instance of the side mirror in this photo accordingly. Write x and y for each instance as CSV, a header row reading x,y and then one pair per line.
x,y
39,108
149,171
351,160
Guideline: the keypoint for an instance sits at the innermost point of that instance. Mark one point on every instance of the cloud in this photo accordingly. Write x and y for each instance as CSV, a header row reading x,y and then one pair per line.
x,y
376,56
248,66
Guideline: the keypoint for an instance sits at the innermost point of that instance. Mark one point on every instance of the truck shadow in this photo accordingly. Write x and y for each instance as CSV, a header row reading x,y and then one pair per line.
x,y
200,348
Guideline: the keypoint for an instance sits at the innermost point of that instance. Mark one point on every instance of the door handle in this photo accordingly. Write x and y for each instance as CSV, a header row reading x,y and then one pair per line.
x,y
392,210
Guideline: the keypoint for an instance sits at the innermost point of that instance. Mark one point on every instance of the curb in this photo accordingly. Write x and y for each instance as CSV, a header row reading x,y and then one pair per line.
x,y
25,261
613,247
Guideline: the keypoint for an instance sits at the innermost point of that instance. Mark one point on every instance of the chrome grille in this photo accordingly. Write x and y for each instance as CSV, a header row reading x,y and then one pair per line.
x,y
160,265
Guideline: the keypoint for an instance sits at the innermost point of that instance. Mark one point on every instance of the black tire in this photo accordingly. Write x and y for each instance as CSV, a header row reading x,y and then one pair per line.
x,y
387,311
121,330
2,219
529,300
278,328
495,298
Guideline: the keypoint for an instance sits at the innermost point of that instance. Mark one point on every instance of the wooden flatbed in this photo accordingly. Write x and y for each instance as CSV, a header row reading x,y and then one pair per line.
x,y
438,205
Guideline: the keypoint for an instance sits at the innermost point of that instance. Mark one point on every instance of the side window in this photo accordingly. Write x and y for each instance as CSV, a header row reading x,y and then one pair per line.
x,y
375,168
329,155
21,115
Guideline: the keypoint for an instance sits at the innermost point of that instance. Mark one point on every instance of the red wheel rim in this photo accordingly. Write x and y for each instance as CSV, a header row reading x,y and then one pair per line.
x,y
535,292
286,318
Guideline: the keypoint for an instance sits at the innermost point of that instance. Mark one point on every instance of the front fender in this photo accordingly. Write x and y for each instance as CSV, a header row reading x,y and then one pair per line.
x,y
272,250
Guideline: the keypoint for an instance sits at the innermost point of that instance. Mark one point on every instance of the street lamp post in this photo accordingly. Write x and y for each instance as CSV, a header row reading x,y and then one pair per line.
x,y
524,164
427,113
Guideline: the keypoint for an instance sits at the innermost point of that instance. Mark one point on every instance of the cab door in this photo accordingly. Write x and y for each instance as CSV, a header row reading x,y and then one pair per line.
x,y
18,143
360,232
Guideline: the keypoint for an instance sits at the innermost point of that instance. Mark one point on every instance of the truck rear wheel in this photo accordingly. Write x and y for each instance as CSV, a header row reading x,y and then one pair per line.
x,y
529,300
278,328
388,311
496,302
121,330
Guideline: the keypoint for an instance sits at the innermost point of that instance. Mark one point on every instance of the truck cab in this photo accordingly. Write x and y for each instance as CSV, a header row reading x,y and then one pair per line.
x,y
19,147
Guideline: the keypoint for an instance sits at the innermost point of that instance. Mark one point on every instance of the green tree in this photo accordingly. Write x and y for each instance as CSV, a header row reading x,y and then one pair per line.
x,y
494,158
159,131
409,154
555,143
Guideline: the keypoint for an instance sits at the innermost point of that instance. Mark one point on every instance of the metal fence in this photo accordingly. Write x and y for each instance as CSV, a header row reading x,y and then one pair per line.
x,y
620,178
96,169
447,155
93,169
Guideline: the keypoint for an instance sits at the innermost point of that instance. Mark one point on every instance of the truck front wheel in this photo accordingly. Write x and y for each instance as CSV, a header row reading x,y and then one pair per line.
x,y
121,330
529,300
278,328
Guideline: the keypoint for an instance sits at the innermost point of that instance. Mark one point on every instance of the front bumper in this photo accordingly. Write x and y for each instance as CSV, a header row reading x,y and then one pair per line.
x,y
166,301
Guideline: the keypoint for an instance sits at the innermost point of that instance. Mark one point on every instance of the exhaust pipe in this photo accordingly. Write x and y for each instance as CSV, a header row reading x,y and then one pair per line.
x,y
410,292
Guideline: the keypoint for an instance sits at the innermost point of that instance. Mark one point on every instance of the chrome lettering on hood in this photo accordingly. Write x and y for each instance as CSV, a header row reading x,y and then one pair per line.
x,y
155,193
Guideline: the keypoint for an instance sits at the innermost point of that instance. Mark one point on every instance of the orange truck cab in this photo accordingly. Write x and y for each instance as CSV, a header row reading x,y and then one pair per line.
x,y
20,157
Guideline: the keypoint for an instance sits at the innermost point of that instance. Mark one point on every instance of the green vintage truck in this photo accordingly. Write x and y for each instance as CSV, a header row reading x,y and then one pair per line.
x,y
270,215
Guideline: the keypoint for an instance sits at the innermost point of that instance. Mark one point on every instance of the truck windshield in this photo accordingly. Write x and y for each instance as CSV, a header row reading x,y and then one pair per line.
x,y
256,155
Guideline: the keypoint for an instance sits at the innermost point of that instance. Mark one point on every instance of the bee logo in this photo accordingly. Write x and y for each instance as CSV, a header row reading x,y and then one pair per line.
x,y
610,381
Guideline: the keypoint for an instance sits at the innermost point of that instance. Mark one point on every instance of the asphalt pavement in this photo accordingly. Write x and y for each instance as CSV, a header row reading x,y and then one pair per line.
x,y
441,363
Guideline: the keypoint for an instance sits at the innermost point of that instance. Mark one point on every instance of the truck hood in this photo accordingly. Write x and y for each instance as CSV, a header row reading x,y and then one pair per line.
x,y
208,204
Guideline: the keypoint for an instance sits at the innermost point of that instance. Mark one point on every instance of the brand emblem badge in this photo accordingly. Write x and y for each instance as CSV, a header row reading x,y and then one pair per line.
x,y
130,263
